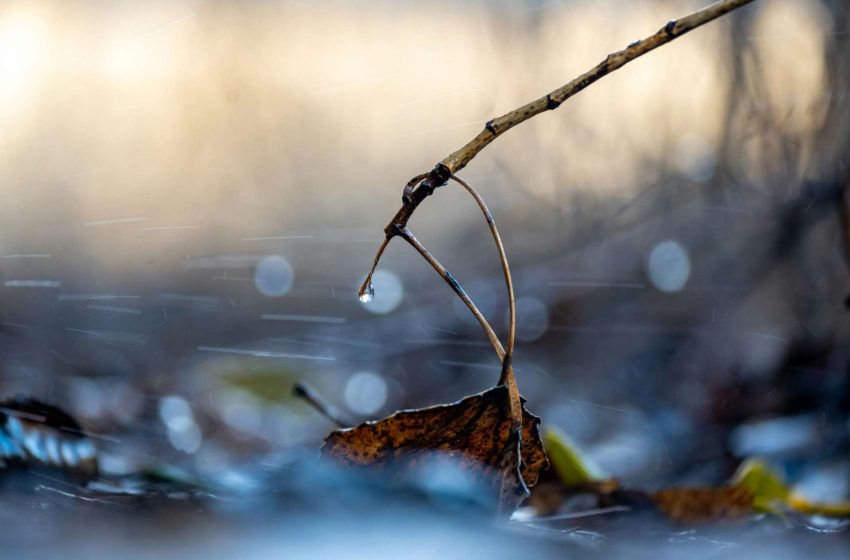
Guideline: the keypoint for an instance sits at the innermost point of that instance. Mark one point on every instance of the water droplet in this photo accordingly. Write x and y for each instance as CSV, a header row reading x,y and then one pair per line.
x,y
386,292
367,294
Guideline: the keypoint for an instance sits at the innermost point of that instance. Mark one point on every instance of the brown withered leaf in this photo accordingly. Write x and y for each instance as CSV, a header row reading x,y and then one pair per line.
x,y
573,480
476,431
682,505
704,505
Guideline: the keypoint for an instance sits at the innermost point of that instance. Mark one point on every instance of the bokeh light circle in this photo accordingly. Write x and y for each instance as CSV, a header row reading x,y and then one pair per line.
x,y
274,276
668,266
532,318
365,393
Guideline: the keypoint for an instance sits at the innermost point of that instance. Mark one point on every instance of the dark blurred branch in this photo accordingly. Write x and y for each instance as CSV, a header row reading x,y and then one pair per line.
x,y
842,203
321,406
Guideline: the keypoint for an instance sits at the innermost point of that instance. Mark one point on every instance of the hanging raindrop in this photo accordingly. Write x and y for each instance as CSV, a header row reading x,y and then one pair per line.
x,y
367,293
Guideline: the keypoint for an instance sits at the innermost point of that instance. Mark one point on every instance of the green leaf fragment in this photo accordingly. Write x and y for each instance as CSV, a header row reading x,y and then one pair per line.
x,y
570,464
771,494
767,485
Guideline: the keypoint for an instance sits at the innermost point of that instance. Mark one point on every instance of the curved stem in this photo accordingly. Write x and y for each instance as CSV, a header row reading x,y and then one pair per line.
x,y
507,378
506,270
408,236
366,287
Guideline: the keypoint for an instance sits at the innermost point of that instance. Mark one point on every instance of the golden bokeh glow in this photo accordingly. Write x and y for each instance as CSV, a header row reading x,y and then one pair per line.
x,y
167,109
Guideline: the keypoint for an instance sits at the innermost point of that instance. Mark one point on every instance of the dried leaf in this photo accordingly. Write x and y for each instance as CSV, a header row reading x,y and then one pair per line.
x,y
475,430
33,433
756,487
703,505
681,505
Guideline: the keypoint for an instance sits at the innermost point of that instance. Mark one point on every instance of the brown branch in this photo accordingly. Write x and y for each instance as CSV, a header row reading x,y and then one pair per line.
x,y
503,259
842,202
408,236
507,377
367,291
422,186
674,28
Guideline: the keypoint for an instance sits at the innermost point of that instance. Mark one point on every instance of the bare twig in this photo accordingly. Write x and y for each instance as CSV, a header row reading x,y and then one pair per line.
x,y
674,29
408,236
422,186
506,270
366,291
507,377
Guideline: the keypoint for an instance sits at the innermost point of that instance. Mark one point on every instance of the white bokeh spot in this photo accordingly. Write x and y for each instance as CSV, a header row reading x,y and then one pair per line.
x,y
668,266
365,393
532,318
695,158
274,276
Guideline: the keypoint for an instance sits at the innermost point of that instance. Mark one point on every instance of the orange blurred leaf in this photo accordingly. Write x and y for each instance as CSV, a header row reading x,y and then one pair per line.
x,y
703,505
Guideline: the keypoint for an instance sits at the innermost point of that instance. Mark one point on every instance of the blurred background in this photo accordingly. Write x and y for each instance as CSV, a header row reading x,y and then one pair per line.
x,y
192,191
